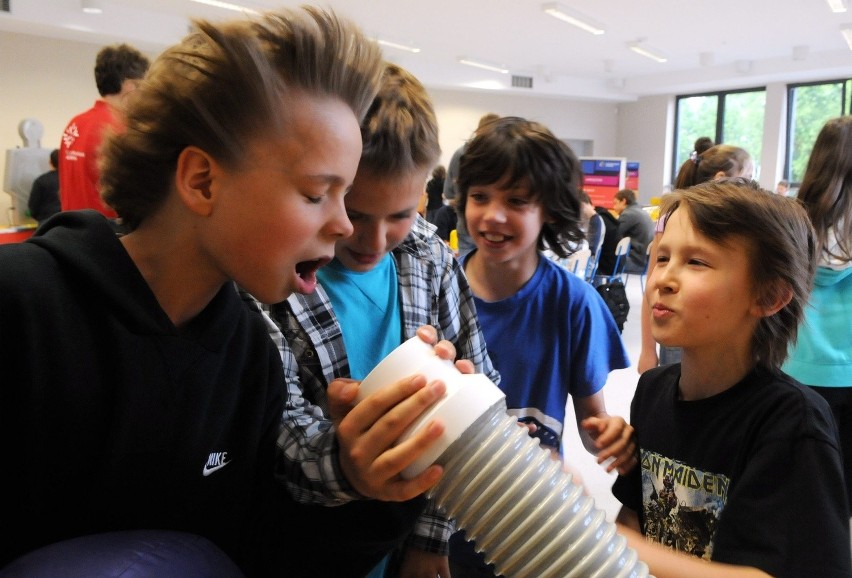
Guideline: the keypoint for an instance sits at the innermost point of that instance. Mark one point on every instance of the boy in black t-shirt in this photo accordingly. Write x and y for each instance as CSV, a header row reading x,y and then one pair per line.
x,y
739,463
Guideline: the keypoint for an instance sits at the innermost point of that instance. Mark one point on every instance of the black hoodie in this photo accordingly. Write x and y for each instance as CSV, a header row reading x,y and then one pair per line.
x,y
110,417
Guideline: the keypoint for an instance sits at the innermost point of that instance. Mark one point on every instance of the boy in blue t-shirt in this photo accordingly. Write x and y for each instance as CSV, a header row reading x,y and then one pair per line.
x,y
549,333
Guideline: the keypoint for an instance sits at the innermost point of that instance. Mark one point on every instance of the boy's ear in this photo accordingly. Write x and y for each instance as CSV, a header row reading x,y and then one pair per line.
x,y
772,299
193,178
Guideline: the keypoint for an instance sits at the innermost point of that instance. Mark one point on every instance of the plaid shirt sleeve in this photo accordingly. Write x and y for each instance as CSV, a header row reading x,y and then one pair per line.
x,y
432,532
308,450
435,291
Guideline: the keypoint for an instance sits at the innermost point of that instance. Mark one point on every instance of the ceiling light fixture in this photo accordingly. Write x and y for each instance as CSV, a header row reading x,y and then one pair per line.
x,y
647,52
397,45
846,30
227,6
837,5
92,6
485,65
573,17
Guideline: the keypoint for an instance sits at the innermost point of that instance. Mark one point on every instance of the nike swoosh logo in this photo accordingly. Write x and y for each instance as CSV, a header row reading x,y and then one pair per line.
x,y
209,470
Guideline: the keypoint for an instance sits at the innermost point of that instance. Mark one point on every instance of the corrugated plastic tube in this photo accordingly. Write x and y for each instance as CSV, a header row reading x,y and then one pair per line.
x,y
507,493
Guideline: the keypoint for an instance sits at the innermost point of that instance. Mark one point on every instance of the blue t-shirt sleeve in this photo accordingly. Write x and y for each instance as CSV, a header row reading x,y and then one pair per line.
x,y
598,348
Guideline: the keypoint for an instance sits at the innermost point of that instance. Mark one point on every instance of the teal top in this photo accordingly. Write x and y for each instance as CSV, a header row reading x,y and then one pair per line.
x,y
822,355
367,307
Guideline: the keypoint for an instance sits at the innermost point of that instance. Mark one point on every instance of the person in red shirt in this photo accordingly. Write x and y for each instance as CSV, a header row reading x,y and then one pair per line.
x,y
118,70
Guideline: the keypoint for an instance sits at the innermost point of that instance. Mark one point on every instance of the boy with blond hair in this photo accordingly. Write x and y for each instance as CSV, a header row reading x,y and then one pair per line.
x,y
153,397
390,277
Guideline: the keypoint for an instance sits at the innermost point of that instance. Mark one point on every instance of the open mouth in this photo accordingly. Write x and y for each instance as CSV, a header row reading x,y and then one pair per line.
x,y
308,269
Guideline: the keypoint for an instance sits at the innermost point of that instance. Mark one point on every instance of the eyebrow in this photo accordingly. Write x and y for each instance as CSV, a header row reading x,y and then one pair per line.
x,y
329,178
707,249
403,213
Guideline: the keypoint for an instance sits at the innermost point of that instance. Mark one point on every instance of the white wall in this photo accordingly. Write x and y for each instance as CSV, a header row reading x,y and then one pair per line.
x,y
459,112
645,130
774,136
44,79
52,81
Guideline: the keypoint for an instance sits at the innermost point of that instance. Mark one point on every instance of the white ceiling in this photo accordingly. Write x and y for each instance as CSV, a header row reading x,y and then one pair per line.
x,y
710,45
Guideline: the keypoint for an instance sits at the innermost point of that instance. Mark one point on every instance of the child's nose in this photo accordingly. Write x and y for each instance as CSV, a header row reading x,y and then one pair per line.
x,y
665,278
339,224
372,237
495,212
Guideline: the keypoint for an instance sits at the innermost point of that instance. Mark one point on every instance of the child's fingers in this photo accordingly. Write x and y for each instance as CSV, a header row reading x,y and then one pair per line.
x,y
428,334
444,349
396,459
403,490
465,366
624,463
341,397
593,425
610,430
622,454
368,432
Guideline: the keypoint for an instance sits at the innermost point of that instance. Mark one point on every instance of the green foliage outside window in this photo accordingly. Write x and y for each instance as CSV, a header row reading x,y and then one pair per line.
x,y
735,117
810,106
696,117
743,123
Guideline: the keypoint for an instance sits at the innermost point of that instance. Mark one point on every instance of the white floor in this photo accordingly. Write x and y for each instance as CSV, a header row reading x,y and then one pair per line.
x,y
618,393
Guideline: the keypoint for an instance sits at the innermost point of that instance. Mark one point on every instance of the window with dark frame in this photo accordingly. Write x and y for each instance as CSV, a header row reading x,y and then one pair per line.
x,y
809,106
733,117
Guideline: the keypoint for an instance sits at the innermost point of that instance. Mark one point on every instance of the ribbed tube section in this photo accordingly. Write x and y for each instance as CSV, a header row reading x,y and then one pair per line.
x,y
523,510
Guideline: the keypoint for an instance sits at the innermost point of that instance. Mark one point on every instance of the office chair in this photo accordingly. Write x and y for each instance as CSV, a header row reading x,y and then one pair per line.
x,y
594,259
621,251
577,262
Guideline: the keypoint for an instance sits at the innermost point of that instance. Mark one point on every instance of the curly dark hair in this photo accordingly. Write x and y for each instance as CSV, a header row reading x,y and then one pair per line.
x,y
117,63
517,152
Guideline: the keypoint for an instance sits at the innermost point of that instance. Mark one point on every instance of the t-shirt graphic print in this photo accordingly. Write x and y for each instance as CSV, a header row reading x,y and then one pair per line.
x,y
681,504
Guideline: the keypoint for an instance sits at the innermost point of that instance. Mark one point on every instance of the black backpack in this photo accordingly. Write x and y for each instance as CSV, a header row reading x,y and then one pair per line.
x,y
615,297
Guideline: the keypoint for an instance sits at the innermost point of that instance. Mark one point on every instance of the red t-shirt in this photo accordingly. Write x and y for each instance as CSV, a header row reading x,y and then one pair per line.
x,y
78,162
